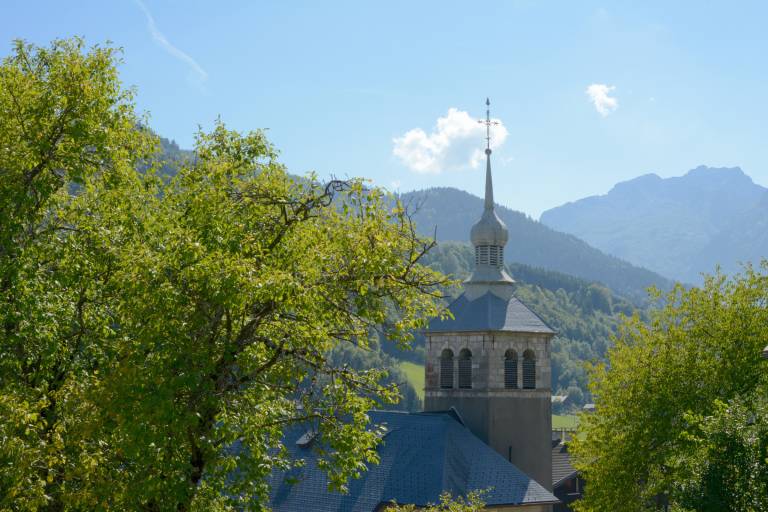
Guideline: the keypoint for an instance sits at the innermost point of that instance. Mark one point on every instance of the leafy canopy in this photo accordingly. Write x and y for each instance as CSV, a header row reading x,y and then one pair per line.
x,y
672,404
159,334
473,502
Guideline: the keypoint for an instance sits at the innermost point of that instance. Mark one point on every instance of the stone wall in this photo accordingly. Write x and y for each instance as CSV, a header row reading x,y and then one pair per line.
x,y
488,352
517,423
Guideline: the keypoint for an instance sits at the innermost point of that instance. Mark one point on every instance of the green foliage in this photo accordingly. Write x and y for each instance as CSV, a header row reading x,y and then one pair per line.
x,y
727,468
373,358
158,334
472,503
171,158
661,427
64,122
64,118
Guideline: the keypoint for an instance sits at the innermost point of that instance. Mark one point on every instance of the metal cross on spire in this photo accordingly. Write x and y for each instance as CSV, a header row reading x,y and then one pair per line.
x,y
488,123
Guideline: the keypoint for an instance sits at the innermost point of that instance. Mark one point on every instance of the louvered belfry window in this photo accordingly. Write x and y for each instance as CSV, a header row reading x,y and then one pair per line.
x,y
492,255
495,256
510,369
481,254
446,369
465,369
529,370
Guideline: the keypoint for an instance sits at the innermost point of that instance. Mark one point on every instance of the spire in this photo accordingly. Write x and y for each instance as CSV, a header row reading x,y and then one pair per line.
x,y
488,182
489,235
488,179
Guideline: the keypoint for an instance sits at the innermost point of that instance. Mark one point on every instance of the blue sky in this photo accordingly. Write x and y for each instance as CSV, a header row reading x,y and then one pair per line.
x,y
390,90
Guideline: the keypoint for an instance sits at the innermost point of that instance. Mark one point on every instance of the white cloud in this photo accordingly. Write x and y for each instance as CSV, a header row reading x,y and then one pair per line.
x,y
599,96
160,38
455,143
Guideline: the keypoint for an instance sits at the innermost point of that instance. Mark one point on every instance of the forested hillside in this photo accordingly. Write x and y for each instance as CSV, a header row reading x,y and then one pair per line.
x,y
448,214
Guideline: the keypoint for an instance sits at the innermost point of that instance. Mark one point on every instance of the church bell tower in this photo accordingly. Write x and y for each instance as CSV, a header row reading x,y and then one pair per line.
x,y
491,362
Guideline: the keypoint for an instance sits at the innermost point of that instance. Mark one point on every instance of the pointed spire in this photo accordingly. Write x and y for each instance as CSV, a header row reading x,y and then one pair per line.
x,y
488,182
488,179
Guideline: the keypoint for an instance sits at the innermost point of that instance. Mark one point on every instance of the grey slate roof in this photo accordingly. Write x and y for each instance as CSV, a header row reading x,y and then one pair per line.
x,y
562,469
490,312
422,455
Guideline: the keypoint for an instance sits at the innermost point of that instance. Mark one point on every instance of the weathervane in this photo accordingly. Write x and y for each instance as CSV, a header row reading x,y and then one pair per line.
x,y
488,123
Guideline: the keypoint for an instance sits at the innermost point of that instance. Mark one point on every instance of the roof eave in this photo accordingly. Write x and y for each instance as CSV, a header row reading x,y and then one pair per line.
x,y
491,331
566,477
526,504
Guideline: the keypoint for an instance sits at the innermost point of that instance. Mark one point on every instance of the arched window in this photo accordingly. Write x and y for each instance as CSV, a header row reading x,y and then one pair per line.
x,y
446,369
529,369
465,369
510,369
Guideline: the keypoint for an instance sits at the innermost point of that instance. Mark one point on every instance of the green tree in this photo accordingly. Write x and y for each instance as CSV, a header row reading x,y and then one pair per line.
x,y
473,502
727,469
659,398
64,120
158,334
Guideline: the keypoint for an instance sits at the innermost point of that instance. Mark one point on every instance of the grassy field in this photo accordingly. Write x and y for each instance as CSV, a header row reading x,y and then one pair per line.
x,y
415,374
566,421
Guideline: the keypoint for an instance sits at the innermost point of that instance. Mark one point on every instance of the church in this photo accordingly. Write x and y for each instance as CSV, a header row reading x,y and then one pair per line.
x,y
487,422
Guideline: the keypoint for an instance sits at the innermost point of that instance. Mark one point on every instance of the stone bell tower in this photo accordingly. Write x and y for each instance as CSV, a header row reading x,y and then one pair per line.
x,y
492,360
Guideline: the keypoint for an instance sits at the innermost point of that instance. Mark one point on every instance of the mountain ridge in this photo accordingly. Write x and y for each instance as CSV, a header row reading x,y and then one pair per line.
x,y
675,226
448,214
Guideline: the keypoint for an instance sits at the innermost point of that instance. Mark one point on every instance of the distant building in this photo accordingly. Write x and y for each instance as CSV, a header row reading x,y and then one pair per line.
x,y
560,403
487,420
567,484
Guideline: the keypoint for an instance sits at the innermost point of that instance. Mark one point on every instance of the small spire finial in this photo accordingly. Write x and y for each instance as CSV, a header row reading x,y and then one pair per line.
x,y
488,179
488,123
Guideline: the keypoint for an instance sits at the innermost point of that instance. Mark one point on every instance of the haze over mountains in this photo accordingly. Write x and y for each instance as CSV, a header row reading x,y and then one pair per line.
x,y
678,227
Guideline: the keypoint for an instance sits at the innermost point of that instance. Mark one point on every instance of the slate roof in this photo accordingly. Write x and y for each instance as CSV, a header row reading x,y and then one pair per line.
x,y
422,455
562,469
490,312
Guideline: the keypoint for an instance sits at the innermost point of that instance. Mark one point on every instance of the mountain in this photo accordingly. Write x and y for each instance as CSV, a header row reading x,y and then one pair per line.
x,y
449,213
744,239
679,227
